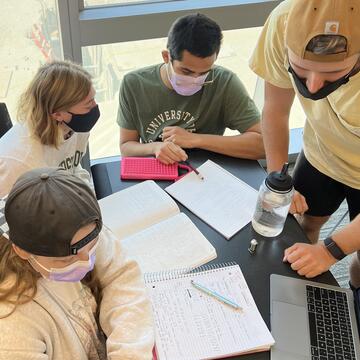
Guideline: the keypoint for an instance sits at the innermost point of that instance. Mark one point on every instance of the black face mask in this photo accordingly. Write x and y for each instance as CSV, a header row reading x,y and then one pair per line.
x,y
84,122
321,93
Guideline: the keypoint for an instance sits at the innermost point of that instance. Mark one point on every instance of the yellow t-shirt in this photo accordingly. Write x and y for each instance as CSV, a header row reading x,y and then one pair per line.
x,y
332,128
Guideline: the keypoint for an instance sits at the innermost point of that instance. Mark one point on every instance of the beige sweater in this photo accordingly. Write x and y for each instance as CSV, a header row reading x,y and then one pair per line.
x,y
21,152
59,324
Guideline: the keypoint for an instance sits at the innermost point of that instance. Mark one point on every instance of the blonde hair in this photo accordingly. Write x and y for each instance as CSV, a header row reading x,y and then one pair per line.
x,y
18,280
327,44
57,86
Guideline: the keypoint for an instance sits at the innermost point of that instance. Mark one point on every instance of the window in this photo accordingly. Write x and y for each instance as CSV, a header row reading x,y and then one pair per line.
x,y
30,38
109,63
89,3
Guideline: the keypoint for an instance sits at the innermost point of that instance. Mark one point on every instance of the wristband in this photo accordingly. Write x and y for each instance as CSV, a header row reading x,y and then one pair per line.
x,y
333,248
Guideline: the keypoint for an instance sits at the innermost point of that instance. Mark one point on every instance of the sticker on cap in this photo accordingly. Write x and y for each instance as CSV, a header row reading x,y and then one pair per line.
x,y
331,27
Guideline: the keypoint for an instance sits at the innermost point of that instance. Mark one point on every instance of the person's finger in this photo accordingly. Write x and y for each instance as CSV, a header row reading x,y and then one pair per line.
x,y
296,205
305,270
292,209
178,153
300,204
168,130
171,138
174,152
166,136
312,273
299,254
299,263
175,149
165,155
164,159
304,205
288,251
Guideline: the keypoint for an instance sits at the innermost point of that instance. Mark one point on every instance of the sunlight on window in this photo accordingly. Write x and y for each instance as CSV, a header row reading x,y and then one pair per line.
x,y
109,63
31,39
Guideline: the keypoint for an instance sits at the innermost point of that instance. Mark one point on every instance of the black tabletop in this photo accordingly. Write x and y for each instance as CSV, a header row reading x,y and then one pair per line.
x,y
269,252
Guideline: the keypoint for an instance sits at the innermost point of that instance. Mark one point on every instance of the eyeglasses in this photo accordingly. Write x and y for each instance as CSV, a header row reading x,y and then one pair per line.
x,y
195,79
195,82
208,82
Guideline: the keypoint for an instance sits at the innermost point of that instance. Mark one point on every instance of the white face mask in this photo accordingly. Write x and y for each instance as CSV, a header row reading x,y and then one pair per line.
x,y
185,85
70,273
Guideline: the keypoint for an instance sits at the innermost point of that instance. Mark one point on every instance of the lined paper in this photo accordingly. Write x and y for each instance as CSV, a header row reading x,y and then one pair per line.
x,y
174,242
223,201
191,325
137,207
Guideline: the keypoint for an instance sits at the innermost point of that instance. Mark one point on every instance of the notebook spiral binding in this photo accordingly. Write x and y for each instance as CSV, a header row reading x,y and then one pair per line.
x,y
184,272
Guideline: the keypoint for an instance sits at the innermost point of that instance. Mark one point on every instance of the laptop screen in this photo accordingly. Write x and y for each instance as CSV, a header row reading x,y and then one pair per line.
x,y
357,305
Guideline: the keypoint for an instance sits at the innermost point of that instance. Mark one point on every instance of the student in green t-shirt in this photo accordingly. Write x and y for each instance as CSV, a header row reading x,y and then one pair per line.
x,y
187,102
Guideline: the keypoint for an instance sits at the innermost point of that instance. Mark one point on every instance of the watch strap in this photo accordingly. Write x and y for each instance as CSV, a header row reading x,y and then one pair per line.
x,y
334,249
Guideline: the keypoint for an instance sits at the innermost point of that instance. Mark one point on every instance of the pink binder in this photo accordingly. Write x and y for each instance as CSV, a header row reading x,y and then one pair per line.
x,y
143,168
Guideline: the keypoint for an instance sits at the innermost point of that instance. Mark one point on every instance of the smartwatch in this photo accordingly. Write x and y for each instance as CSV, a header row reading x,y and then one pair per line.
x,y
333,249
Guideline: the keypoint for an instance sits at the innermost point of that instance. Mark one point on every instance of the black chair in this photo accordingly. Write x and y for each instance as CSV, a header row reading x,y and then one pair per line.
x,y
5,121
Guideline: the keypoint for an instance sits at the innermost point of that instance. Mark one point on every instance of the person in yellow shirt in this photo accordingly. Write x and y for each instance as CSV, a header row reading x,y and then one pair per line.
x,y
311,48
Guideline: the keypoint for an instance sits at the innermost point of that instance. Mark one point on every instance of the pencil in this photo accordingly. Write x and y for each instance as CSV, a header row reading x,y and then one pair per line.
x,y
216,295
193,169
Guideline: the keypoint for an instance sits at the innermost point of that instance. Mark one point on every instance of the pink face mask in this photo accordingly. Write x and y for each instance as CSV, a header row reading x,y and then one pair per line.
x,y
71,273
183,84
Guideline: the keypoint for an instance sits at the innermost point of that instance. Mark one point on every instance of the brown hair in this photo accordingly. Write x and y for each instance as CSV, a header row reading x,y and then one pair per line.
x,y
18,279
57,86
327,44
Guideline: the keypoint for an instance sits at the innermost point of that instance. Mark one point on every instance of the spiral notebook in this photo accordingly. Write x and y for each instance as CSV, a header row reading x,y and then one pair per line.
x,y
191,325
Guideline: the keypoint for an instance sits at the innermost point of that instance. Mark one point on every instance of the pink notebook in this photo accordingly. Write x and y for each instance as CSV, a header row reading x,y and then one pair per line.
x,y
143,168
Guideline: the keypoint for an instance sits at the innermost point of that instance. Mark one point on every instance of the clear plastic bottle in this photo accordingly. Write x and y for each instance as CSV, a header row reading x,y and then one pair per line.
x,y
274,199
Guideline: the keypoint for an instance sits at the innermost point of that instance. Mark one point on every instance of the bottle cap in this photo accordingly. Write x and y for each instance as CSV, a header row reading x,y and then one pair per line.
x,y
280,181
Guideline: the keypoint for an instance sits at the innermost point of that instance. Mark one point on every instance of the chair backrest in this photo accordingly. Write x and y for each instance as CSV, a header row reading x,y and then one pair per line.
x,y
5,121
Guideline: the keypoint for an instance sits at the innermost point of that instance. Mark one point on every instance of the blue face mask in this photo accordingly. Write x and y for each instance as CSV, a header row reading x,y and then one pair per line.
x,y
84,122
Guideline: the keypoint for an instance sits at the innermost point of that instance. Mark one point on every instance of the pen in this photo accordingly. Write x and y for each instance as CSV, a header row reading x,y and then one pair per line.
x,y
215,295
193,169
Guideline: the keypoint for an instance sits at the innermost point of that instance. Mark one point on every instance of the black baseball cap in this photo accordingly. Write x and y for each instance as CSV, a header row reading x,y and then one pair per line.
x,y
46,207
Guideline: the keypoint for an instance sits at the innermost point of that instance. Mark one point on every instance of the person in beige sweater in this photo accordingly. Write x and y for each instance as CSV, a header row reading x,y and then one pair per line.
x,y
67,290
55,114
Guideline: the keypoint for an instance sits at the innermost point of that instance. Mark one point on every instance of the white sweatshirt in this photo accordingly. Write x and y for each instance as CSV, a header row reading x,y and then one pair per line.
x,y
59,324
21,152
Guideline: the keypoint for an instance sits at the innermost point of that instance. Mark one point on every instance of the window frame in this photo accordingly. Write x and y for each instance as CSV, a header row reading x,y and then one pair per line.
x,y
98,25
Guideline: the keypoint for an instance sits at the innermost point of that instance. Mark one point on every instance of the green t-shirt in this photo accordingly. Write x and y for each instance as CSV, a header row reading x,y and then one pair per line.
x,y
147,105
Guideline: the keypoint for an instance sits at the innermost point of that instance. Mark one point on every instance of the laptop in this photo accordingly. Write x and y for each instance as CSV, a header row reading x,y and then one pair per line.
x,y
313,321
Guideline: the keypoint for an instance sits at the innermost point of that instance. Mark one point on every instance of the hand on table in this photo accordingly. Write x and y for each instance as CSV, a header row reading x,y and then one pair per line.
x,y
309,260
169,153
178,136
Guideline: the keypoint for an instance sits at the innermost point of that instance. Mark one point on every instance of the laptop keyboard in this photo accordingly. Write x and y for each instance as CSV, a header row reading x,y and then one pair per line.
x,y
330,327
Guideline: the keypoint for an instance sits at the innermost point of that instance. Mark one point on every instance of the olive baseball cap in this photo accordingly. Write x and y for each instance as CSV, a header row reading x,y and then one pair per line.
x,y
310,18
46,207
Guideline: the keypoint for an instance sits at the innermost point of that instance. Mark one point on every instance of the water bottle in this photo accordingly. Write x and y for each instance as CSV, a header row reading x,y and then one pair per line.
x,y
274,199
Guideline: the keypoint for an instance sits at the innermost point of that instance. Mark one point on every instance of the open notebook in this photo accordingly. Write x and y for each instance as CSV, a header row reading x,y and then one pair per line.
x,y
191,325
152,229
223,201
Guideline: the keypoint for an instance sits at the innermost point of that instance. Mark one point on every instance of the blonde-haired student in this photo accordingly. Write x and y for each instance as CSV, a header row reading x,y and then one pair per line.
x,y
55,114
67,290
